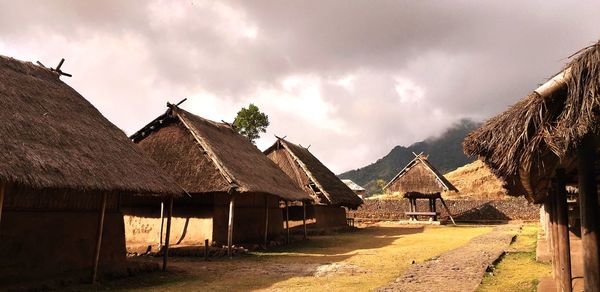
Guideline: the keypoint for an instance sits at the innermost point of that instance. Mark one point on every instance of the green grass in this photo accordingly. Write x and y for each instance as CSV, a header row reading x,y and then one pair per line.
x,y
518,270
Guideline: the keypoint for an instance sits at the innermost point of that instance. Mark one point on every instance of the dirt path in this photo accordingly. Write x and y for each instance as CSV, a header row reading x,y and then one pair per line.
x,y
460,269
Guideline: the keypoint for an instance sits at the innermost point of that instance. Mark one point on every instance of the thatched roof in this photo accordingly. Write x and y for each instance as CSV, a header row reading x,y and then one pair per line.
x,y
353,186
525,144
311,175
419,176
209,157
53,138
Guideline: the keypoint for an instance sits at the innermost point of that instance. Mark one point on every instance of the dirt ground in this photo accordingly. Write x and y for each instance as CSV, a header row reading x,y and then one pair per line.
x,y
356,261
461,269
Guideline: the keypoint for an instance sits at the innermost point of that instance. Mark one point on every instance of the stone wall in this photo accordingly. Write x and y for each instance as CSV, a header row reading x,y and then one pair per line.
x,y
462,210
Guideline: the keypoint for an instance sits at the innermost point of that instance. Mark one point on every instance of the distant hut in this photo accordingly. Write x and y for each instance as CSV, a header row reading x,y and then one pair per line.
x,y
358,190
223,172
330,194
546,142
64,170
420,180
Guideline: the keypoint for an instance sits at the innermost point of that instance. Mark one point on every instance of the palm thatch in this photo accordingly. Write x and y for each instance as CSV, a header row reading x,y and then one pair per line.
x,y
209,157
53,138
419,177
526,143
311,175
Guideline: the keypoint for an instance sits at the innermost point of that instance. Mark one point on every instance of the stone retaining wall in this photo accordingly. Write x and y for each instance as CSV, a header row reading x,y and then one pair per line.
x,y
462,210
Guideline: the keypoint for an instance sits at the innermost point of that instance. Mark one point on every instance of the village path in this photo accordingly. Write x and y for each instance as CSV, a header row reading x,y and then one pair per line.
x,y
461,269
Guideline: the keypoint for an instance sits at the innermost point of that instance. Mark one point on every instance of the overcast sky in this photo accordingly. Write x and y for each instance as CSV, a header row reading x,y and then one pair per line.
x,y
350,78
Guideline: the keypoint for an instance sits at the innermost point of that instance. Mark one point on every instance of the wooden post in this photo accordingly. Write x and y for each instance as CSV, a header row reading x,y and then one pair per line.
x,y
162,223
447,210
304,219
99,238
2,188
206,249
230,225
266,222
168,235
564,246
554,237
588,202
287,223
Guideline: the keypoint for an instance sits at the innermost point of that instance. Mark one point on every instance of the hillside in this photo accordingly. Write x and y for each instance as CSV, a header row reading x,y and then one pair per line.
x,y
475,181
445,153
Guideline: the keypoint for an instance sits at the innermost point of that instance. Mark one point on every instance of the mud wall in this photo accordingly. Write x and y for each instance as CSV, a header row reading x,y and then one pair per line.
x,y
462,210
37,245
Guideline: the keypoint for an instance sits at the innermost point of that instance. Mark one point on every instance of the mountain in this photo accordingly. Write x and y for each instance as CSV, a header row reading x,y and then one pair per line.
x,y
445,153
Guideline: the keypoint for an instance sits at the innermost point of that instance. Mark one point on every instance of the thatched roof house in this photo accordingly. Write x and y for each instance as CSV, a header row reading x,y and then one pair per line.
x,y
62,162
311,175
215,165
419,176
547,141
357,189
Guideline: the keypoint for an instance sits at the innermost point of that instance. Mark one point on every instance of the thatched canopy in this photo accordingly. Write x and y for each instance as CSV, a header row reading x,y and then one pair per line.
x,y
53,138
419,177
528,142
311,175
209,157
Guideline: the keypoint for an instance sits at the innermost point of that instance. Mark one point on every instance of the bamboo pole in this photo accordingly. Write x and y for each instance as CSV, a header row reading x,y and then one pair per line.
x,y
287,223
168,235
554,83
266,221
564,246
230,225
304,220
99,238
588,197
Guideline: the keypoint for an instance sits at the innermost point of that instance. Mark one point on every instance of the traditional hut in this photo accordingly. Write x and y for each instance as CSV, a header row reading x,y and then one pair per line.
x,y
329,193
223,173
358,190
64,170
420,180
547,141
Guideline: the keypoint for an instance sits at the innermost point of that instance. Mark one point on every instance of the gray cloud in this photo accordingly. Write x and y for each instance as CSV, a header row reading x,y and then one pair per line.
x,y
350,78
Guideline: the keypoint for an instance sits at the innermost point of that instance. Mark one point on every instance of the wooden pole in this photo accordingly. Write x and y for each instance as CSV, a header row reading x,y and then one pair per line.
x,y
2,188
168,235
206,249
588,202
447,210
162,223
564,246
266,221
230,225
304,220
554,236
287,223
99,238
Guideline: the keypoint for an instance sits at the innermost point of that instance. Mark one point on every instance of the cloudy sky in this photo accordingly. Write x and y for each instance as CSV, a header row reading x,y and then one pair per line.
x,y
350,78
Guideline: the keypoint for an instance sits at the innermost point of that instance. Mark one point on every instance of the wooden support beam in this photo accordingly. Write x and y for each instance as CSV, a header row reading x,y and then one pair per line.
x,y
206,250
2,190
553,236
162,223
168,235
447,210
564,246
304,220
588,202
99,238
230,225
287,222
266,222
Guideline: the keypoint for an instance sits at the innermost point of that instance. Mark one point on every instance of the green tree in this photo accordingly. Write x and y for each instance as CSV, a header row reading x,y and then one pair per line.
x,y
251,122
380,184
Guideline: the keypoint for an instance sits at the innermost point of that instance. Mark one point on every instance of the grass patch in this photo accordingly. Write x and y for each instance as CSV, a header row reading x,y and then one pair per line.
x,y
518,270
